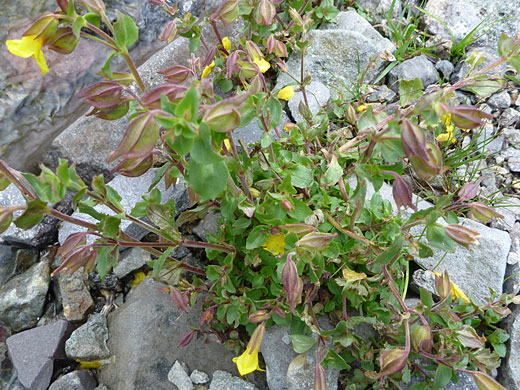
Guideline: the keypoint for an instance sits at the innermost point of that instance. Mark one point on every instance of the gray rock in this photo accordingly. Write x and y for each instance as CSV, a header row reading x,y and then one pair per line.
x,y
131,190
130,260
144,333
75,295
6,366
445,67
509,208
381,8
102,387
75,380
90,140
418,67
490,55
317,95
500,100
253,131
36,109
513,159
509,375
207,225
224,380
511,135
7,263
465,382
335,54
463,17
43,234
469,269
89,341
509,118
199,377
22,298
440,47
512,277
286,369
33,352
381,94
179,377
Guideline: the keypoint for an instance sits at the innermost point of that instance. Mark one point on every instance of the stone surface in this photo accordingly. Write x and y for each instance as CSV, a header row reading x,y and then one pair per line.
x,y
317,95
179,377
380,8
90,140
207,225
35,109
43,234
462,17
336,52
75,380
469,269
7,262
509,375
131,190
418,67
224,380
500,100
199,377
285,369
75,295
6,366
445,68
33,352
22,298
144,333
380,93
89,341
130,260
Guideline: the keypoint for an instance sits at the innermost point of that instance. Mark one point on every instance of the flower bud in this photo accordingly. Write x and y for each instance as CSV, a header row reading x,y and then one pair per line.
x,y
253,50
96,6
63,4
392,361
413,140
6,217
104,94
44,28
465,116
431,166
296,17
277,47
255,342
65,42
265,13
227,12
401,192
259,316
486,382
443,284
422,339
287,205
292,283
482,212
179,299
278,310
469,190
462,235
316,240
222,117
231,64
169,32
186,339
247,69
298,228
176,74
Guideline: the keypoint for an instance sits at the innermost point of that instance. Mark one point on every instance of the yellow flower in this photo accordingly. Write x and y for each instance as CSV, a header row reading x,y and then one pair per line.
x,y
286,93
445,137
458,293
227,43
352,276
362,108
207,70
247,362
28,46
262,64
138,278
275,244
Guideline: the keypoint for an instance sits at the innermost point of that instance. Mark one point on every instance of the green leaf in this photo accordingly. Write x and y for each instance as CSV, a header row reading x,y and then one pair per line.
x,y
158,264
426,297
107,258
302,343
424,250
442,376
273,108
393,250
207,180
335,361
266,140
333,173
410,90
515,63
110,226
93,18
182,144
505,44
438,238
188,107
256,237
125,31
202,151
33,214
301,176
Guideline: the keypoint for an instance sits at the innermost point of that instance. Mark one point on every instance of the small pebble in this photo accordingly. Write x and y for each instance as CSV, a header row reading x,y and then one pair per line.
x,y
199,377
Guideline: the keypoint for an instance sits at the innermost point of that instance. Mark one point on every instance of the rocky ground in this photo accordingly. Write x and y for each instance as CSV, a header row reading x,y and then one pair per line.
x,y
78,332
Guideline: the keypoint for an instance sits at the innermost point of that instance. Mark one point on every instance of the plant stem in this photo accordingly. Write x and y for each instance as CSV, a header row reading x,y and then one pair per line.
x,y
348,233
241,174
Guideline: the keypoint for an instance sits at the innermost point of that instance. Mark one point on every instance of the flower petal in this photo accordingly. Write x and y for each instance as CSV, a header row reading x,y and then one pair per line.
x,y
40,59
275,244
262,64
26,47
247,362
286,93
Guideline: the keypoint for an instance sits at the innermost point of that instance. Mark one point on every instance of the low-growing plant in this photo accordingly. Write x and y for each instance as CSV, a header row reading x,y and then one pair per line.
x,y
304,231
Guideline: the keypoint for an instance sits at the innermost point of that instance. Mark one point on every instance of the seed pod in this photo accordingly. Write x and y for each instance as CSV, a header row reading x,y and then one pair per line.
x,y
259,316
104,94
465,116
316,240
179,299
45,28
320,379
443,284
422,339
462,235
413,140
265,13
392,361
469,190
169,32
227,12
292,283
482,212
486,382
255,342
